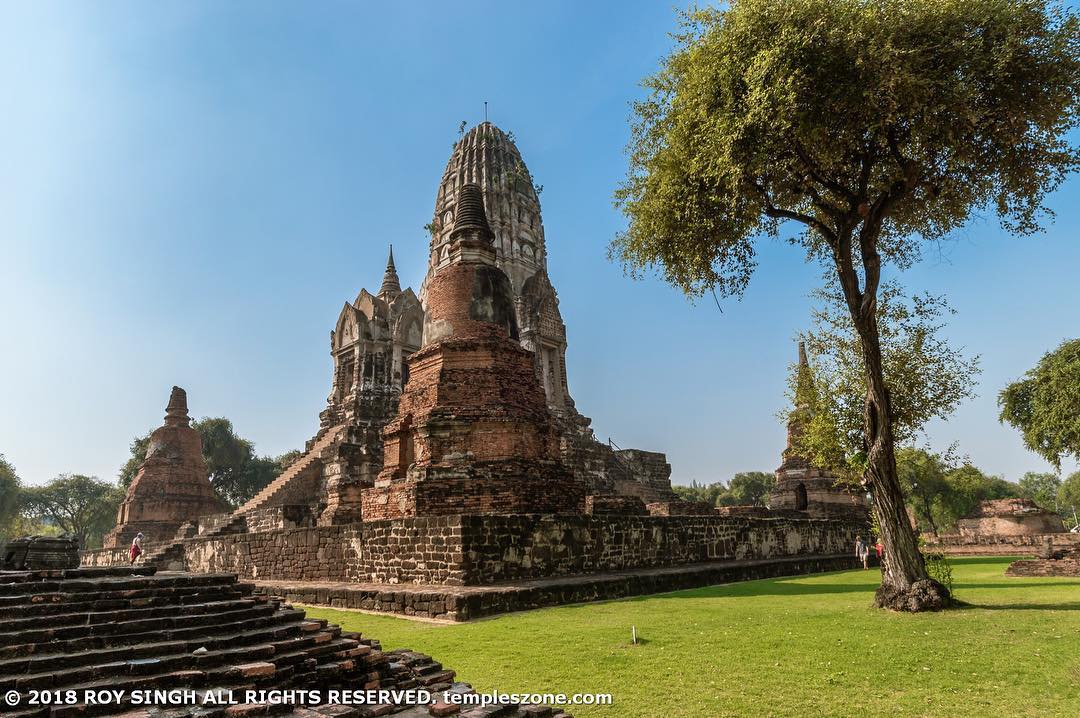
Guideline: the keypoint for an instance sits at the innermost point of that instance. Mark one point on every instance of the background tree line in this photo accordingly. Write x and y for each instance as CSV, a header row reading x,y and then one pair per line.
x,y
86,506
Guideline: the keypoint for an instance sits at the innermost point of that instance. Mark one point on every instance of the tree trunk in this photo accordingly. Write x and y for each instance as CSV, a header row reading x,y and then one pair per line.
x,y
929,514
905,585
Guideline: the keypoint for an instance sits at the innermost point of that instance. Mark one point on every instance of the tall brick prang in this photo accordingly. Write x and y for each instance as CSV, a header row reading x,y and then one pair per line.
x,y
473,432
172,486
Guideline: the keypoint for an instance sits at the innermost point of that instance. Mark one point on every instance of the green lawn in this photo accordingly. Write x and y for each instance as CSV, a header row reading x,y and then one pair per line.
x,y
802,647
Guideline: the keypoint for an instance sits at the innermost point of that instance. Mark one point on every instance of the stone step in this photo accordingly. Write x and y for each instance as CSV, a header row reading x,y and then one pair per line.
x,y
114,583
287,620
288,638
81,572
252,674
164,624
159,657
89,618
58,603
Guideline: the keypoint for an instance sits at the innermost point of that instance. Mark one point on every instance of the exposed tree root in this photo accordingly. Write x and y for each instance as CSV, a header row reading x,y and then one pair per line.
x,y
925,595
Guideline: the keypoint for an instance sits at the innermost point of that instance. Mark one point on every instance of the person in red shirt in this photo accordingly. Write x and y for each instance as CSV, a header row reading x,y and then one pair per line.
x,y
880,548
136,547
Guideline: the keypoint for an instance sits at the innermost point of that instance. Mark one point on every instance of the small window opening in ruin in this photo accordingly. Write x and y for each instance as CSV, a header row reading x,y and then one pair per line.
x,y
406,448
800,497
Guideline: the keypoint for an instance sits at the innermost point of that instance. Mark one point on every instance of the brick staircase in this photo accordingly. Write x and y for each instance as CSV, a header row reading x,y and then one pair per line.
x,y
276,487
132,628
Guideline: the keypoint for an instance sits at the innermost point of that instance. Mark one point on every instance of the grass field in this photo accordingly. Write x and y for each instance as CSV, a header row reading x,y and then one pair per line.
x,y
805,647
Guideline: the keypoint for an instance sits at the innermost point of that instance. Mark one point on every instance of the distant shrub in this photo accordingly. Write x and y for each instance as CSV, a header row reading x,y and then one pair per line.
x,y
939,569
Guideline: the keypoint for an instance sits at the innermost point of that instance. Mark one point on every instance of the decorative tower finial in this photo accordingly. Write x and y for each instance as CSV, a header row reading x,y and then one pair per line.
x,y
390,283
176,413
470,220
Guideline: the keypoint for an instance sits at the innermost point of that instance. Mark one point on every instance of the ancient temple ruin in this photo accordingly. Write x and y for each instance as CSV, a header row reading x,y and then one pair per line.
x,y
800,485
452,475
1010,517
172,485
376,334
473,432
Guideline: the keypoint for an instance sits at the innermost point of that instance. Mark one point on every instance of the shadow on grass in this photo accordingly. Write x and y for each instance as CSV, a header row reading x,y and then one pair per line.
x,y
1075,606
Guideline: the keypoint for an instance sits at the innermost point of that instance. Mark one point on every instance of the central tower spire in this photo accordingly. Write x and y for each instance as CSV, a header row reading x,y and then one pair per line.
x,y
473,433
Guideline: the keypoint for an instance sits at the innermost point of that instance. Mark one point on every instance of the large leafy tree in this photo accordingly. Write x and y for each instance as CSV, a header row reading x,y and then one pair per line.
x,y
10,496
1069,498
1042,488
873,126
922,475
1043,405
236,473
750,488
941,489
81,506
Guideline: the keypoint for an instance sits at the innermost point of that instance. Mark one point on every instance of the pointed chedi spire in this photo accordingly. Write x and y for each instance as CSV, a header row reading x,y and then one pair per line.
x,y
804,381
390,284
804,402
176,413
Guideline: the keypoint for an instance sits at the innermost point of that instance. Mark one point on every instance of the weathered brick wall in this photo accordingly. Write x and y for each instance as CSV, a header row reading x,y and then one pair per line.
x,y
620,505
680,508
501,548
302,554
106,557
472,550
275,518
425,550
417,550
984,545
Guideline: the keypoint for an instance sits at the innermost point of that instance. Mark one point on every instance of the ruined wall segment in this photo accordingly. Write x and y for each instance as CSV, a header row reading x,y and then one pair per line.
x,y
1010,517
172,485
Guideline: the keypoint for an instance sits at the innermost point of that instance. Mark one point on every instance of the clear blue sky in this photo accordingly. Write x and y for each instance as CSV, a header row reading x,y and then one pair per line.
x,y
189,191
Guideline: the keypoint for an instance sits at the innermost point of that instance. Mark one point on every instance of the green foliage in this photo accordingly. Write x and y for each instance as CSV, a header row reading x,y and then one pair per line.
x,y
1042,488
10,498
926,376
922,476
939,569
131,466
709,494
751,488
746,488
1069,498
12,501
236,473
81,506
1043,405
940,489
897,118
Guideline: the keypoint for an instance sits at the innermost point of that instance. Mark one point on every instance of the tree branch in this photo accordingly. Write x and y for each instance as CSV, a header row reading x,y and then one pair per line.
x,y
780,213
814,171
